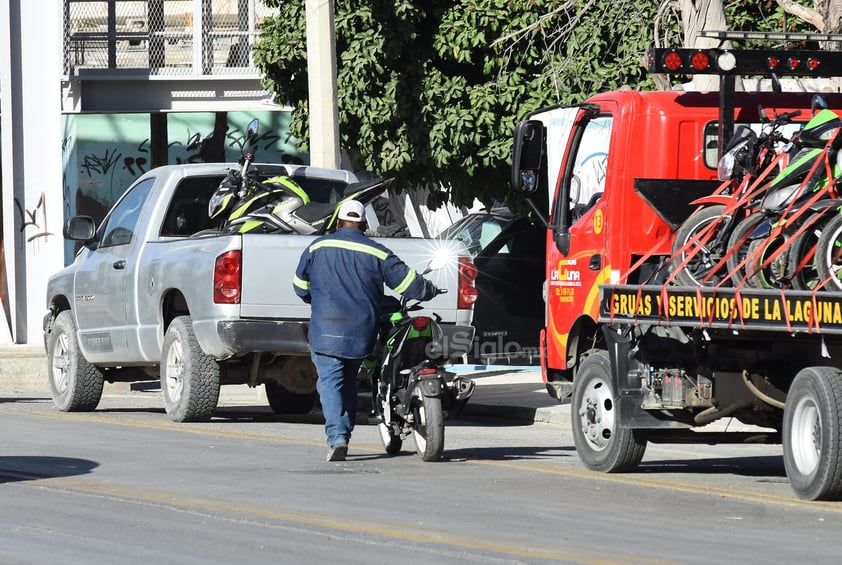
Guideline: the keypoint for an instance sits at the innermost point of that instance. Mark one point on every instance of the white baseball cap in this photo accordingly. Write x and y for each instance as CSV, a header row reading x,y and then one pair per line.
x,y
352,211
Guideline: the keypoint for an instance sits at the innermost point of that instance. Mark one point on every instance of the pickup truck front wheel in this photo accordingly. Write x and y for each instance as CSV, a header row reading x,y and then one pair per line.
x,y
812,438
602,442
75,384
189,378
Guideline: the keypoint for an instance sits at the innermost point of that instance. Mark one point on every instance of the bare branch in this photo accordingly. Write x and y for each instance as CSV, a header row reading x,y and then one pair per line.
x,y
802,12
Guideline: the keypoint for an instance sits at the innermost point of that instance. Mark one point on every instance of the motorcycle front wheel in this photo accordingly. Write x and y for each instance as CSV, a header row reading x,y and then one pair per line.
x,y
428,426
829,254
703,256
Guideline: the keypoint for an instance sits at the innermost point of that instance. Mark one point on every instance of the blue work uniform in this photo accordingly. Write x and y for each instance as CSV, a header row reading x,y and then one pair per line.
x,y
342,276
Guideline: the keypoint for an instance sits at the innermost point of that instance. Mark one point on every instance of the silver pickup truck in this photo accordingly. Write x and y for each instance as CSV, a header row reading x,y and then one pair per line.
x,y
151,294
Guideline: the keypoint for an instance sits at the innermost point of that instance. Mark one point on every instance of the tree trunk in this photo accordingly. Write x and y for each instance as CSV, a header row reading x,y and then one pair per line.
x,y
697,15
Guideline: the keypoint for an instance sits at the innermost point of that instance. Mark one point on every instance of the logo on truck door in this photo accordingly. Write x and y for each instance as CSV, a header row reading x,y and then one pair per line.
x,y
564,279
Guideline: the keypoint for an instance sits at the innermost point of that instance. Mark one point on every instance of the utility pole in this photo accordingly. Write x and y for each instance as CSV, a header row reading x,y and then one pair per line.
x,y
321,70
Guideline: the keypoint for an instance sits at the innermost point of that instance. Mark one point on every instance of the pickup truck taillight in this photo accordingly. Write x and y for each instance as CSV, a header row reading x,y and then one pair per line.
x,y
467,289
227,278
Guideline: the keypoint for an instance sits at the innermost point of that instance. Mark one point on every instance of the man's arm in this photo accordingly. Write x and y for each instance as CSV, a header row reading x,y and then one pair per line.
x,y
404,280
301,279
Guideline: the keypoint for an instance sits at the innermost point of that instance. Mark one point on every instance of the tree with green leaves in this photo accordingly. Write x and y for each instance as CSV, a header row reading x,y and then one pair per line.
x,y
429,90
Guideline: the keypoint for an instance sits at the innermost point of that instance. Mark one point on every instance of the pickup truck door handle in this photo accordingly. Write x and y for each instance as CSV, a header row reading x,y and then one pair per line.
x,y
121,264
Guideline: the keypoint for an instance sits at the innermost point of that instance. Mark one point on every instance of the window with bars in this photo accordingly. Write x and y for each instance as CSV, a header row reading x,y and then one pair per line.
x,y
163,37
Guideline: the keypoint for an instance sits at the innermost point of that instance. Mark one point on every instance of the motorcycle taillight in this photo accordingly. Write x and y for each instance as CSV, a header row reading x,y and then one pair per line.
x,y
226,278
420,323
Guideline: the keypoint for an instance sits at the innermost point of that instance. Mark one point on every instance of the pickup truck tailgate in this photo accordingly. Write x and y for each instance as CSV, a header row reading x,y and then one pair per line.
x,y
269,262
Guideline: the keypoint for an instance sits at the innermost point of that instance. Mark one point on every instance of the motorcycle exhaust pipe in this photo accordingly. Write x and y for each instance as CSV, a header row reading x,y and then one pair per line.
x,y
463,387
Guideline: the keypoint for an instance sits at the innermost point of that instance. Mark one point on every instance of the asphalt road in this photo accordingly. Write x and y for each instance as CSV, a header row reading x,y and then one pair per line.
x,y
124,484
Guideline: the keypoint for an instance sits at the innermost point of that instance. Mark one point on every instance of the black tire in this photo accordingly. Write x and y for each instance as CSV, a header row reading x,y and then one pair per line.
x,y
805,245
812,435
773,274
739,243
391,441
189,378
704,258
829,254
428,427
602,442
283,401
75,384
389,436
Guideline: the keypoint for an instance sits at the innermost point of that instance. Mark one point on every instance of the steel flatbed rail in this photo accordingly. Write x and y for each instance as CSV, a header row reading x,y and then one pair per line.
x,y
791,311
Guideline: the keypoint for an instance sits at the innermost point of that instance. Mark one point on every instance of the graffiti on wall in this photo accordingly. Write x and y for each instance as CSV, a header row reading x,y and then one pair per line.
x,y
33,222
104,154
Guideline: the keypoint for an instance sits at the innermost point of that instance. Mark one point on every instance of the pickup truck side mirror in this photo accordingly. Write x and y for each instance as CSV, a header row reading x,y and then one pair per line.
x,y
79,228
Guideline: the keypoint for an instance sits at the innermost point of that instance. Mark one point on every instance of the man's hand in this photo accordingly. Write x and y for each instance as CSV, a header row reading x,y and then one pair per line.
x,y
431,291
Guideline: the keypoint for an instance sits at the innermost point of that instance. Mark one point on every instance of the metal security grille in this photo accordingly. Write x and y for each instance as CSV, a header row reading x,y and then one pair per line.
x,y
162,37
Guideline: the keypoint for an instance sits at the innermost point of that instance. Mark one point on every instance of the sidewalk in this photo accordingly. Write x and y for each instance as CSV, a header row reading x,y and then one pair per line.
x,y
516,394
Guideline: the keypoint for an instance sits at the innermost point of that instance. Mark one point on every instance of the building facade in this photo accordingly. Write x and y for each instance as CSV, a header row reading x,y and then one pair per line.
x,y
93,94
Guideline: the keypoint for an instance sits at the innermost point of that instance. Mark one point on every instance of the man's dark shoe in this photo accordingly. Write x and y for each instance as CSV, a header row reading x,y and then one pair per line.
x,y
337,452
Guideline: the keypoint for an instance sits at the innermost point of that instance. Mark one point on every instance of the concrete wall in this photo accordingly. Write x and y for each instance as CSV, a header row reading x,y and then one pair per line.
x,y
30,125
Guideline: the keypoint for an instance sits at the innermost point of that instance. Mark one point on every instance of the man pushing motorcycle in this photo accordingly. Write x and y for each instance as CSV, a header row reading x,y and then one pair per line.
x,y
342,276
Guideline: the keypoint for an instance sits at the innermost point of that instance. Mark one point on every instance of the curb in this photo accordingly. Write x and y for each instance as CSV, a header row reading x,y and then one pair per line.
x,y
23,368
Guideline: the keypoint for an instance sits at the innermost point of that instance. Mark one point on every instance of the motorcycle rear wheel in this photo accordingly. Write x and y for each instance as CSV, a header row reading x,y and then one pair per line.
x,y
428,426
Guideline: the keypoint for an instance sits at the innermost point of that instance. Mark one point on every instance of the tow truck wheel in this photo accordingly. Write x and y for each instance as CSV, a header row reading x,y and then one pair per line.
x,y
812,440
76,385
602,442
189,378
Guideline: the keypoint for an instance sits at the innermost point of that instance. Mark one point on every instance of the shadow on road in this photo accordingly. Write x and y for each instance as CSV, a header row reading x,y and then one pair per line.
x,y
507,453
33,468
762,466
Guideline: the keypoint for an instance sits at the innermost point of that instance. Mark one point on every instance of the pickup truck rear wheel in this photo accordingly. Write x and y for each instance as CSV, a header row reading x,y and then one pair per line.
x,y
283,401
189,378
812,438
75,384
602,442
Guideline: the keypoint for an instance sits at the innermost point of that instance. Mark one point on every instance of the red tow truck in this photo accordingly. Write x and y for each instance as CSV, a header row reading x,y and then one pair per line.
x,y
641,358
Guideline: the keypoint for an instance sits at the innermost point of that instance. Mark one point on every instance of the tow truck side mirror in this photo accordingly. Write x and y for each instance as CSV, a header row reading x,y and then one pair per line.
x,y
527,149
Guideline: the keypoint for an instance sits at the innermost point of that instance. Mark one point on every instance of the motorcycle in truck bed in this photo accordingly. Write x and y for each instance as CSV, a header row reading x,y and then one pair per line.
x,y
693,262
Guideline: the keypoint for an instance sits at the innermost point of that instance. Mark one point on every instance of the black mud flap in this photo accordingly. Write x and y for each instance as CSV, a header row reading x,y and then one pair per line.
x,y
671,198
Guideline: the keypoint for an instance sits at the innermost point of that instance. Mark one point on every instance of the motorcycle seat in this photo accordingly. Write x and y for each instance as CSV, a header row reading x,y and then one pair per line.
x,y
314,211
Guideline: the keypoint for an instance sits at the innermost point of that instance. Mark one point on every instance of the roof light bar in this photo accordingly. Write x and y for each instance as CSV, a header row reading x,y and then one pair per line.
x,y
769,35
